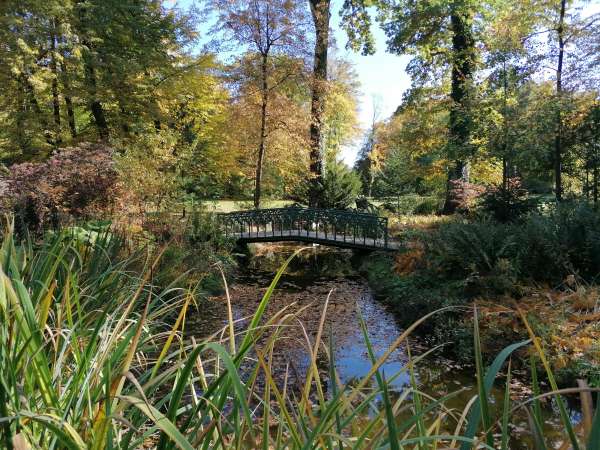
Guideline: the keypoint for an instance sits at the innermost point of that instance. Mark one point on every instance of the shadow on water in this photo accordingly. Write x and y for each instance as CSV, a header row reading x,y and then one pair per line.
x,y
321,272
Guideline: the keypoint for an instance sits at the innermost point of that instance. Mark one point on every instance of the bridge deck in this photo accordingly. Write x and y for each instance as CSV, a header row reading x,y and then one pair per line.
x,y
337,228
317,237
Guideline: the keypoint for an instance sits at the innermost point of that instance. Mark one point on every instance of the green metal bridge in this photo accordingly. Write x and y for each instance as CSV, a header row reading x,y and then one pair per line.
x,y
331,227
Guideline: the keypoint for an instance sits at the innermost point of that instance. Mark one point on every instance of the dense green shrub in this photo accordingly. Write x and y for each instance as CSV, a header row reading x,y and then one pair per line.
x,y
508,203
341,187
462,248
427,206
542,247
412,204
564,241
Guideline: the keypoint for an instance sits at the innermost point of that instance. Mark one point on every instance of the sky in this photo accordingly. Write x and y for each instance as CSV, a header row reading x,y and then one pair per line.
x,y
382,76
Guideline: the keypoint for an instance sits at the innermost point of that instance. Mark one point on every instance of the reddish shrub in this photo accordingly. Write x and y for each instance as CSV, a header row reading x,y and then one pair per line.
x,y
76,182
462,196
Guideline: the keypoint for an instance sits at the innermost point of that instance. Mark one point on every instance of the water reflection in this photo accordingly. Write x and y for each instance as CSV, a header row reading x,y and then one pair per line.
x,y
313,276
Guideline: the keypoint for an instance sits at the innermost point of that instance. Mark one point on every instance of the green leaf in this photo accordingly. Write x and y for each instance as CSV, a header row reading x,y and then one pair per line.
x,y
475,415
164,424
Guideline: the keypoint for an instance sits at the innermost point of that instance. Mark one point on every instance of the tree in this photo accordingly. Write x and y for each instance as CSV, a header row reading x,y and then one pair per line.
x,y
266,27
320,10
411,146
589,135
92,66
558,140
569,51
369,157
286,124
437,34
340,125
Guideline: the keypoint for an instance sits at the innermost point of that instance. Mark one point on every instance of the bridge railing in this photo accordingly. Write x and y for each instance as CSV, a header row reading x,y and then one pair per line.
x,y
307,223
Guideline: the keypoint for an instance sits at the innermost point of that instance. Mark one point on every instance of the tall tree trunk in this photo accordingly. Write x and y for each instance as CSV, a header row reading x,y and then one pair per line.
x,y
68,99
505,156
24,143
321,14
71,116
595,181
558,144
263,130
463,61
55,95
95,104
35,107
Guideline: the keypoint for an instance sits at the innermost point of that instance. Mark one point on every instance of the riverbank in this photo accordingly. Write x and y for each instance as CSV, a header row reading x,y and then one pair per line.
x,y
325,293
181,372
563,319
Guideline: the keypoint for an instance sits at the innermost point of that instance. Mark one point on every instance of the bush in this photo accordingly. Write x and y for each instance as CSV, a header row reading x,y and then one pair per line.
x,y
508,203
195,245
340,188
427,206
483,254
74,183
542,247
463,196
564,241
412,204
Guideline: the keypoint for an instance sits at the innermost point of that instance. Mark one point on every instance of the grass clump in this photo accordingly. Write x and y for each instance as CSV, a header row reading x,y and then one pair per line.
x,y
94,355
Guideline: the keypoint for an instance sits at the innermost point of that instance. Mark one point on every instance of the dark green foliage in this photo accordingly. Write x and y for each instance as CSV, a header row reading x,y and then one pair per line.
x,y
462,248
508,203
364,205
543,247
341,187
427,206
565,241
412,204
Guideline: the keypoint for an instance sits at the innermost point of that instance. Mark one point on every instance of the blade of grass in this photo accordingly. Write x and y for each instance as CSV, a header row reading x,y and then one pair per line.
x,y
164,424
182,380
417,404
536,431
594,439
475,413
506,409
561,407
238,387
481,388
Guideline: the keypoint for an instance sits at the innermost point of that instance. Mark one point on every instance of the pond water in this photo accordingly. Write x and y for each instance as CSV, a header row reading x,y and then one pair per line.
x,y
319,274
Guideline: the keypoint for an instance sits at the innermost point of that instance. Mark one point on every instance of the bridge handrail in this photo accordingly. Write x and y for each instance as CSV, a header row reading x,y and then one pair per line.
x,y
332,222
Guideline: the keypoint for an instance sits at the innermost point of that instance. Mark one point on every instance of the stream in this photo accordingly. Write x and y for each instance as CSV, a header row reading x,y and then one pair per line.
x,y
318,274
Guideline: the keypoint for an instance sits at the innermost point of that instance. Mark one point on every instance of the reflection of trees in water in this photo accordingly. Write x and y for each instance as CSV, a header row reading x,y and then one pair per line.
x,y
313,263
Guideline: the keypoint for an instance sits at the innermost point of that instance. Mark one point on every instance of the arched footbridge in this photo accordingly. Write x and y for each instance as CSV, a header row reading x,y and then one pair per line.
x,y
347,229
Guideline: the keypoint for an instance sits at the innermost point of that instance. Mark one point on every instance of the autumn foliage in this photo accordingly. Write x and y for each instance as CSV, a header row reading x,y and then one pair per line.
x,y
75,182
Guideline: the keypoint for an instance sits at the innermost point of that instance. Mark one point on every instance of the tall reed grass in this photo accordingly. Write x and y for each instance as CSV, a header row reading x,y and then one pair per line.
x,y
93,356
